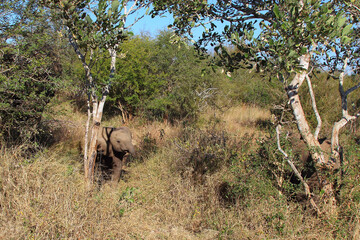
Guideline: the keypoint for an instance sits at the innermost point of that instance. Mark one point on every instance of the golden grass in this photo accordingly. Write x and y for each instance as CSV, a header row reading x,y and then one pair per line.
x,y
238,120
45,196
46,199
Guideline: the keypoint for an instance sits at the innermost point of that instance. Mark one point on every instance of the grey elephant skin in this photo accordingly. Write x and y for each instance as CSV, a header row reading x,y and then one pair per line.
x,y
114,145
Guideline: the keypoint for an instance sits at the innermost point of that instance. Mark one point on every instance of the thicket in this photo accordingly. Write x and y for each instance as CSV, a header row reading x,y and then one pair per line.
x,y
32,70
158,79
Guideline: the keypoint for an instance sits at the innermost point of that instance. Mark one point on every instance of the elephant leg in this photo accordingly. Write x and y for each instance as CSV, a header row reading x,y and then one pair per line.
x,y
117,166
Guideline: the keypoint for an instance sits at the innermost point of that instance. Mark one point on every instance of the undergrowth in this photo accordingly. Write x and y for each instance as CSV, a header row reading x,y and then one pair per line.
x,y
186,182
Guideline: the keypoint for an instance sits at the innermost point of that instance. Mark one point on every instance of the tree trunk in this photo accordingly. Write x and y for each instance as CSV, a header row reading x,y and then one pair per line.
x,y
97,109
86,139
97,116
319,156
298,112
346,117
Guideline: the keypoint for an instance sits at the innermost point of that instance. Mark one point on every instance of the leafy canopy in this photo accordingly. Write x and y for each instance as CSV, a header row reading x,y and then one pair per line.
x,y
268,35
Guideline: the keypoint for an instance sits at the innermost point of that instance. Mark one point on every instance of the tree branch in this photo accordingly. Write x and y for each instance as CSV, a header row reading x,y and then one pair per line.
x,y
132,10
350,90
313,104
297,173
346,117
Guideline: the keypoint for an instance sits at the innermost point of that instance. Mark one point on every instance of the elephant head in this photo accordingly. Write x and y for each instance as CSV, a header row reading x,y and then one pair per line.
x,y
121,140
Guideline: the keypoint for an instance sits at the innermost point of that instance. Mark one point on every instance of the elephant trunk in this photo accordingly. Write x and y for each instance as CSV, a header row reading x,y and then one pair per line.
x,y
132,150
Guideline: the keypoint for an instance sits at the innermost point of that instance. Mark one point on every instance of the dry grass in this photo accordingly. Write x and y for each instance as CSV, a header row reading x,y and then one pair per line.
x,y
44,197
239,120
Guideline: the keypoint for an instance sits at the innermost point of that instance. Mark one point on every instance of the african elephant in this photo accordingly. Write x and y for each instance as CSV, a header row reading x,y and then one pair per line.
x,y
115,144
306,164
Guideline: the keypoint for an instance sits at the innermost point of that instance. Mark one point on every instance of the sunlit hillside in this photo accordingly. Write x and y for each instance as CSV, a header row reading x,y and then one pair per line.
x,y
240,120
161,195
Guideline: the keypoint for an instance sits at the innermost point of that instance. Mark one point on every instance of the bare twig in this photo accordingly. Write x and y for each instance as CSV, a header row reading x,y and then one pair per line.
x,y
134,7
6,70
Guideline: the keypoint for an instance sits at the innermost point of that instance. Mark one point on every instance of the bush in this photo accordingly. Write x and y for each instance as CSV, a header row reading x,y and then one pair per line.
x,y
250,88
204,152
158,79
25,90
30,70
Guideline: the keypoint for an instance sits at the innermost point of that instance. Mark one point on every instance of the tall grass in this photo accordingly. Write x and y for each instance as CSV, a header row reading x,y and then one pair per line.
x,y
44,196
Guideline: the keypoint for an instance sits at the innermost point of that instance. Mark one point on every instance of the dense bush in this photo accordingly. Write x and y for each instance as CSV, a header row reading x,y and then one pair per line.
x,y
158,79
30,68
204,152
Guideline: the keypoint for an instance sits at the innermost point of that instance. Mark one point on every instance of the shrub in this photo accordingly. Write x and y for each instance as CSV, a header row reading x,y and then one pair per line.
x,y
147,147
158,79
26,89
250,88
203,152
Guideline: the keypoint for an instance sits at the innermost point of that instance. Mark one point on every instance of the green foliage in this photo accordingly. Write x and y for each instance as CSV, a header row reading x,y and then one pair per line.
x,y
136,79
93,26
272,35
249,175
30,68
249,88
159,79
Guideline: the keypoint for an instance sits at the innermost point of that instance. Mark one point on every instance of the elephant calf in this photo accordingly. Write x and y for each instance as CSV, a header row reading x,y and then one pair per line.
x,y
116,145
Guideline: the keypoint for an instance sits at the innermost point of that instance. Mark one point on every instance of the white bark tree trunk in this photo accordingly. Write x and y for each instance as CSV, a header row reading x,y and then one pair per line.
x,y
346,117
322,161
298,112
313,104
98,108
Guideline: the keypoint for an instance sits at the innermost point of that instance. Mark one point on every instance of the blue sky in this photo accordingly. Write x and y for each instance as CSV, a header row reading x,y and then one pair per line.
x,y
151,25
154,25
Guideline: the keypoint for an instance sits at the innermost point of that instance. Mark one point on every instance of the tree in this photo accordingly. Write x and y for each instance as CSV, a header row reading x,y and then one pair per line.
x,y
287,39
96,29
159,79
30,68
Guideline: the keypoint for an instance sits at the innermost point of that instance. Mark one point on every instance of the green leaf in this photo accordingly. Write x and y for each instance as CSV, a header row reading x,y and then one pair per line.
x,y
276,11
330,20
341,21
292,53
88,19
303,50
346,30
293,11
345,39
114,5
